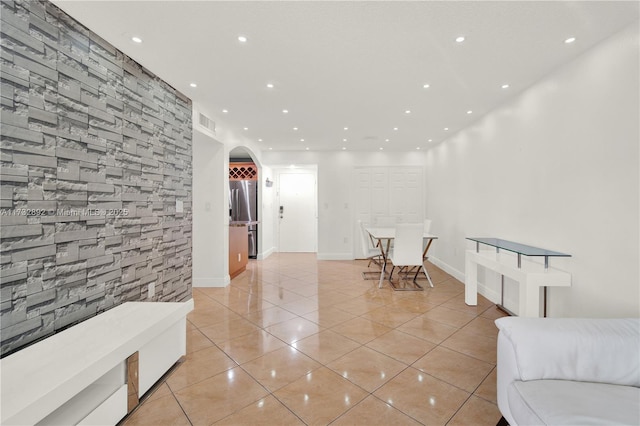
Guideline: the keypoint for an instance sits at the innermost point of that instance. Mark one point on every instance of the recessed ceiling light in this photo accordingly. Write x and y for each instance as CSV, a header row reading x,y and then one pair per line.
x,y
344,140
344,148
346,128
242,39
259,140
395,128
295,128
285,111
469,112
381,148
225,111
136,39
430,140
246,128
570,40
193,85
417,147
307,148
505,86
459,39
270,149
386,140
425,86
407,111
446,128
301,140
270,85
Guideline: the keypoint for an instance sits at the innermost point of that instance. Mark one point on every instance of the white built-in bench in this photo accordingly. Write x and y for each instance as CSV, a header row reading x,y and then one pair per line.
x,y
79,376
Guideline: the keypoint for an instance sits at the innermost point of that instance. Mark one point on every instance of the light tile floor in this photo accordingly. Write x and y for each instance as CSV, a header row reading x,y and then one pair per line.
x,y
294,340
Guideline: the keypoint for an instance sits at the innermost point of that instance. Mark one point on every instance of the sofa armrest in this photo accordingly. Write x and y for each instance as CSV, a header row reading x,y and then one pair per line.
x,y
592,350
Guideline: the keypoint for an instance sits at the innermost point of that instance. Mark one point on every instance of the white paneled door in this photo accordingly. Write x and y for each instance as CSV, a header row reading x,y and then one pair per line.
x,y
297,212
405,194
387,191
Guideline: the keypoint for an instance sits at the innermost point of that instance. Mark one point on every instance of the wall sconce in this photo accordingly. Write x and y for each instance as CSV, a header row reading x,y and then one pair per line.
x,y
268,183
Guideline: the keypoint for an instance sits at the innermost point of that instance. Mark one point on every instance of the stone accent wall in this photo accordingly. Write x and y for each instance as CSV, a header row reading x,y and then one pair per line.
x,y
95,158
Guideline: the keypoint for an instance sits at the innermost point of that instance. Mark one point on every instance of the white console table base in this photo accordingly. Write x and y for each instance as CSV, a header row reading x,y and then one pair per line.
x,y
531,276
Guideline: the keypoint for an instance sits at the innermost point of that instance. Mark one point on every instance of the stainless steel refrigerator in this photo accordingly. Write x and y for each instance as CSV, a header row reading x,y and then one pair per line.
x,y
243,207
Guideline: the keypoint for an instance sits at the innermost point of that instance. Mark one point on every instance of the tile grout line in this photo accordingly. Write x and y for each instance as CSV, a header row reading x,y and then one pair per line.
x,y
386,300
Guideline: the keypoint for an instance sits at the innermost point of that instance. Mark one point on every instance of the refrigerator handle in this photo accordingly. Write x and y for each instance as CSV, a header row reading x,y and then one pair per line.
x,y
232,204
235,204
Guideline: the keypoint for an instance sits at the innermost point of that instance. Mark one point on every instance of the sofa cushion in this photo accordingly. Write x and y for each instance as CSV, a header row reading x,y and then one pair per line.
x,y
563,402
589,350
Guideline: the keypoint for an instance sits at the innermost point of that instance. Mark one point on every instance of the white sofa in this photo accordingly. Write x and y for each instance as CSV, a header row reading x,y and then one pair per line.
x,y
568,371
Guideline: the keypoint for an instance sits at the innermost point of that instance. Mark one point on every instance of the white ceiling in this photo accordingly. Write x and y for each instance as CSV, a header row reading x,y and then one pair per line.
x,y
359,65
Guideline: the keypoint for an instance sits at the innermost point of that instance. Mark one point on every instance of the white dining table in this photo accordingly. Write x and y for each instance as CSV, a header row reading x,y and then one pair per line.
x,y
385,235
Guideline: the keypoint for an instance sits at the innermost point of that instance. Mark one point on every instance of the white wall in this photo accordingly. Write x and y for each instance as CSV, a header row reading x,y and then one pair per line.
x,y
267,196
211,202
336,221
557,168
210,212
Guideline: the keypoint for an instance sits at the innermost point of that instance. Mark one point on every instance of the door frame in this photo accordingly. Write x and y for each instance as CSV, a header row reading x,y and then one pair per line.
x,y
306,169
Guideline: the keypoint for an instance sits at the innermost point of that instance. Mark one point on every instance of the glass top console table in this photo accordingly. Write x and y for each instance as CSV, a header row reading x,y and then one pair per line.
x,y
528,274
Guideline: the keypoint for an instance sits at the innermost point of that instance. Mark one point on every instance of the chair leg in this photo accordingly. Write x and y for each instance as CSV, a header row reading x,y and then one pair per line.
x,y
427,275
391,274
375,260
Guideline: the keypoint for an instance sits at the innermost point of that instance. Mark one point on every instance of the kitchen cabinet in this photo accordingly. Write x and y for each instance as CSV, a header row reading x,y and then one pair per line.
x,y
238,249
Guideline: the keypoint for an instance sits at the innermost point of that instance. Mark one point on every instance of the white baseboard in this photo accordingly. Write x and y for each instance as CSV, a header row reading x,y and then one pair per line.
x,y
459,275
489,293
212,282
335,256
266,253
485,291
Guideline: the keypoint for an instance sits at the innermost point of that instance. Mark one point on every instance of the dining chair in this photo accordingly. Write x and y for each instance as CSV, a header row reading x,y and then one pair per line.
x,y
427,228
407,251
369,248
425,257
371,252
387,222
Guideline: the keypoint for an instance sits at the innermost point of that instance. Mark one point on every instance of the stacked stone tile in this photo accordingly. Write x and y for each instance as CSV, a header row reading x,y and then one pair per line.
x,y
95,155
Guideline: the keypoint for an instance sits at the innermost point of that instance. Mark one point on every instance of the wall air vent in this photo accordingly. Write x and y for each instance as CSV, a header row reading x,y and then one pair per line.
x,y
206,122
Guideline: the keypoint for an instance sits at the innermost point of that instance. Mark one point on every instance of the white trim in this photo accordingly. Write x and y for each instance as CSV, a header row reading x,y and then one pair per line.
x,y
335,256
490,294
212,282
459,275
265,254
485,291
